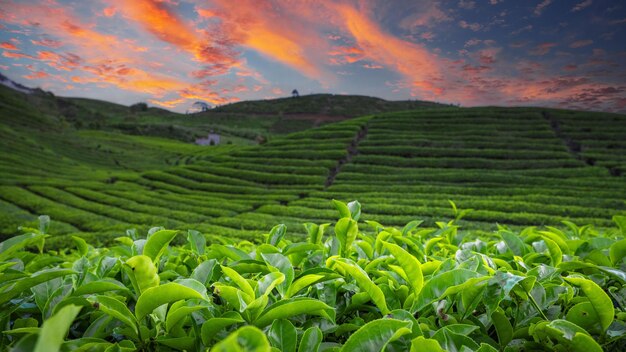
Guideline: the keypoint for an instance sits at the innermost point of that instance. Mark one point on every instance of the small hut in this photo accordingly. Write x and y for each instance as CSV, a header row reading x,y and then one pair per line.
x,y
211,139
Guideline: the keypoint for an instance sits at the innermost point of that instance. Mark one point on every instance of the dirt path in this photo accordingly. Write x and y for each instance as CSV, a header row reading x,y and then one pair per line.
x,y
352,151
574,147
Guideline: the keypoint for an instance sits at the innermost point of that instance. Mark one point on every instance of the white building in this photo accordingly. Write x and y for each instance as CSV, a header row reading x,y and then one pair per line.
x,y
211,139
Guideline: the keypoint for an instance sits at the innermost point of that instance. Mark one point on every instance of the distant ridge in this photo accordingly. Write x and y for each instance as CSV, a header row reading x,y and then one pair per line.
x,y
4,80
326,104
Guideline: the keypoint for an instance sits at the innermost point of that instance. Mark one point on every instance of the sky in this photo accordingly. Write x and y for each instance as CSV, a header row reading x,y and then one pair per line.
x,y
172,53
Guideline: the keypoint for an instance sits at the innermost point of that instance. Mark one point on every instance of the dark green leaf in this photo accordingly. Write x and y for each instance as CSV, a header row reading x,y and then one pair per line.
x,y
282,335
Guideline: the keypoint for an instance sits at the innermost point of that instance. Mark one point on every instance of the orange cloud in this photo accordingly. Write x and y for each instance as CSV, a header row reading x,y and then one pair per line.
x,y
278,35
346,54
16,55
106,59
37,75
163,22
109,11
416,64
8,46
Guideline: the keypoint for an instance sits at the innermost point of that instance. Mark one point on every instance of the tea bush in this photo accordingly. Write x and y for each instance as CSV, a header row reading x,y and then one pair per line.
x,y
361,287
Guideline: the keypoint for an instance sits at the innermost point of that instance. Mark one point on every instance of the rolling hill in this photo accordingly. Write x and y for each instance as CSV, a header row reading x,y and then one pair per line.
x,y
102,169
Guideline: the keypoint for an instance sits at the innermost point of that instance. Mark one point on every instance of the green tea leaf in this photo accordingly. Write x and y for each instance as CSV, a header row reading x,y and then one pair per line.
x,y
247,338
310,277
572,336
346,231
142,272
503,326
436,286
81,245
117,310
617,251
102,285
411,226
311,340
515,244
584,315
239,280
24,284
157,243
204,271
422,344
282,335
196,241
276,234
179,312
375,335
288,308
409,264
363,281
344,211
185,343
157,296
15,244
54,329
600,301
212,326
280,263
620,220
355,210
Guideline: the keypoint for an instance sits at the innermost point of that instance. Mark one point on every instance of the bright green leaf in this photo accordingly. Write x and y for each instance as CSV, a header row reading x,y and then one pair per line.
x,y
157,296
376,334
54,329
247,338
311,340
600,301
157,243
288,308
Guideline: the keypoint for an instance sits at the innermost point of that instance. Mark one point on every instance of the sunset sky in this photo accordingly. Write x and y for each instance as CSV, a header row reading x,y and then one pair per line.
x,y
171,53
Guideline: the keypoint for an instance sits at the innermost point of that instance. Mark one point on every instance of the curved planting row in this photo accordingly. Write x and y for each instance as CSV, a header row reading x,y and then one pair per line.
x,y
512,164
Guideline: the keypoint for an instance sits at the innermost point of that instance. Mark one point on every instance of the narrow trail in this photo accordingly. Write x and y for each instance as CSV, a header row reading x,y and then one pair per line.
x,y
574,147
352,151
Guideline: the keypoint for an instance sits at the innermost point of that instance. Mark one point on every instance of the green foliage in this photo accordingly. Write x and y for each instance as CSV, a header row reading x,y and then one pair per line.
x,y
409,289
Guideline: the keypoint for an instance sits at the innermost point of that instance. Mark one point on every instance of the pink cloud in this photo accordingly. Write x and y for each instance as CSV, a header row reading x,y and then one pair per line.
x,y
428,36
570,67
109,11
50,43
16,55
373,66
468,5
542,49
541,7
580,43
427,14
37,75
472,26
582,5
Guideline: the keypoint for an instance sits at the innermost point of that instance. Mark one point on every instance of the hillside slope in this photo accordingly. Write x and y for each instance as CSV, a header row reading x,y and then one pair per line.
x,y
513,166
326,104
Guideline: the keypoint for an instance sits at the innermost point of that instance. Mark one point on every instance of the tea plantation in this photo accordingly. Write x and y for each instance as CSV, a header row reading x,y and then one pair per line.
x,y
481,229
512,166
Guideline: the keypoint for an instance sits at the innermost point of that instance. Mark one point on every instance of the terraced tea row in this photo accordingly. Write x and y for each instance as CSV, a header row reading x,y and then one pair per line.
x,y
510,165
